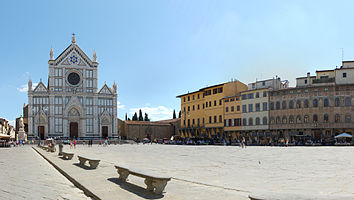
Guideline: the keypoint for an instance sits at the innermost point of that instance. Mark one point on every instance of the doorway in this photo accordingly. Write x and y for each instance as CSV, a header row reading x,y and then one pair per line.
x,y
104,131
74,130
41,132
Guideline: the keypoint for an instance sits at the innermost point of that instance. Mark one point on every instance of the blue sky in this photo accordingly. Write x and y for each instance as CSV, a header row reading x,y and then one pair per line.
x,y
158,49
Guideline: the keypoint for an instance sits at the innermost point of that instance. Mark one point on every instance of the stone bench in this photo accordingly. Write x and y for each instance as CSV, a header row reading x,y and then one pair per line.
x,y
93,163
67,156
154,183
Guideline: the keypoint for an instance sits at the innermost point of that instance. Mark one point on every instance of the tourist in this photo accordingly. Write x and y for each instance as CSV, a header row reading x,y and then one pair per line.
x,y
74,144
71,144
99,142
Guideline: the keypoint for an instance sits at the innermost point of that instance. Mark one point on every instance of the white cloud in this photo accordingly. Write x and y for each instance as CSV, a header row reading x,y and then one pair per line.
x,y
24,88
120,106
12,122
154,113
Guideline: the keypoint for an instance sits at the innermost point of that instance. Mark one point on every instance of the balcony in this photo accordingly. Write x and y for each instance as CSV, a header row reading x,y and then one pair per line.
x,y
323,80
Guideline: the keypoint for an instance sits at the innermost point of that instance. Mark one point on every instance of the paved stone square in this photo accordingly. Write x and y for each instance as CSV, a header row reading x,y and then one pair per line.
x,y
308,171
26,175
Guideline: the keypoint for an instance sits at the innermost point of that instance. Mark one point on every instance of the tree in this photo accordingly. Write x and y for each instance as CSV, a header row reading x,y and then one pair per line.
x,y
179,115
146,117
135,117
140,115
126,117
174,114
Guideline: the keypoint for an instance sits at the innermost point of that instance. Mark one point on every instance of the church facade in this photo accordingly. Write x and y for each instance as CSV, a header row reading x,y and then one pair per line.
x,y
70,105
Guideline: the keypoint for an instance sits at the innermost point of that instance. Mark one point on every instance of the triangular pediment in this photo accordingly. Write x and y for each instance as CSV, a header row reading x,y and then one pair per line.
x,y
73,55
40,88
105,90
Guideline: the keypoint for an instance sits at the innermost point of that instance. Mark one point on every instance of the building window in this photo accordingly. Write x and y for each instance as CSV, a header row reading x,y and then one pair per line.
x,y
258,121
232,109
298,104
244,108
226,122
220,102
265,94
277,120
272,120
283,105
337,102
58,100
215,103
58,110
315,103
250,121
306,119
277,105
89,125
58,125
206,104
89,83
250,96
325,102
265,106
305,81
227,109
337,118
198,96
283,120
184,109
209,119
347,101
265,121
198,122
89,74
344,75
193,121
315,118
209,103
189,98
189,108
250,107
298,119
220,90
257,94
244,122
232,122
184,99
238,108
193,97
58,72
193,107
271,105
220,118
291,119
258,107
215,120
348,118
325,118
306,103
291,104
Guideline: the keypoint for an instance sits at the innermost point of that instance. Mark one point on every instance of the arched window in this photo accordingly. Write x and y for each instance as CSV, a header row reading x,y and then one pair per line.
x,y
306,119
250,121
244,122
291,104
283,105
315,118
347,101
298,104
337,118
291,119
284,120
271,105
272,120
325,102
258,121
278,120
277,105
298,119
348,118
306,103
315,103
265,121
337,102
325,118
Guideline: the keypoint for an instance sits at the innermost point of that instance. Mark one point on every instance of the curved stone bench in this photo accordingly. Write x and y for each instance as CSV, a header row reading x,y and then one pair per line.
x,y
155,184
67,156
93,162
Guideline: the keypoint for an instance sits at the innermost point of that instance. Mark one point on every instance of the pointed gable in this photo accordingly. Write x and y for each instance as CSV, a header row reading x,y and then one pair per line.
x,y
40,88
73,55
105,90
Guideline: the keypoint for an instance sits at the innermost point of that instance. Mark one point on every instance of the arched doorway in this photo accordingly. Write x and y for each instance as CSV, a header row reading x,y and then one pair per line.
x,y
74,130
104,131
41,133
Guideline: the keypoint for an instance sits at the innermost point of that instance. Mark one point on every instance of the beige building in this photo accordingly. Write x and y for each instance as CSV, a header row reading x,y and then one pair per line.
x,y
232,116
203,110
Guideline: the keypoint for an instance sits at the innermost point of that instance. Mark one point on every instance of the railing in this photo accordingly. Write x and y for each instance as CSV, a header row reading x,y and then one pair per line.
x,y
323,80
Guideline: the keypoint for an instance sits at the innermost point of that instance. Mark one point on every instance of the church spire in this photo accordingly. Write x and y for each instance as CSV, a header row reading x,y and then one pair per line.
x,y
51,54
73,39
94,56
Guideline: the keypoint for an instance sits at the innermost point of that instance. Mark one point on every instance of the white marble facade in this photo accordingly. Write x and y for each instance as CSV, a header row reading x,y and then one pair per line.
x,y
71,105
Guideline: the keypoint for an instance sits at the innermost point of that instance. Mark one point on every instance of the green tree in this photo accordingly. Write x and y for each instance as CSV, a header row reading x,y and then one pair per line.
x,y
179,114
140,115
174,114
135,117
146,117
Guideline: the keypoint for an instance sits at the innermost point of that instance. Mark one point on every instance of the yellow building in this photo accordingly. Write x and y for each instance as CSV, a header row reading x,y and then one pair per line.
x,y
202,111
233,116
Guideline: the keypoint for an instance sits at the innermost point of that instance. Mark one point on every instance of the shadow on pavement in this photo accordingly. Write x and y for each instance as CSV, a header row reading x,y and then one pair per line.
x,y
82,166
142,192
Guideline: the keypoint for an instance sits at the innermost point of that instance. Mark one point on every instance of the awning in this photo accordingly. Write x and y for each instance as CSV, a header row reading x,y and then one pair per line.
x,y
344,135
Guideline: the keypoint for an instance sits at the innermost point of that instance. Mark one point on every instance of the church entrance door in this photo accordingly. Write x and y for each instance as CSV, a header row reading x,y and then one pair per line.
x,y
104,131
41,132
74,130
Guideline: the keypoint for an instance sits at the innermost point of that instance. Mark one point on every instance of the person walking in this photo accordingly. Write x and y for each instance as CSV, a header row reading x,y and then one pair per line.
x,y
74,144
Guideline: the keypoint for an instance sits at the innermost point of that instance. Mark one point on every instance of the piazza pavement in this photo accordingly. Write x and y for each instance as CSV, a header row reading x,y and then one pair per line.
x,y
198,172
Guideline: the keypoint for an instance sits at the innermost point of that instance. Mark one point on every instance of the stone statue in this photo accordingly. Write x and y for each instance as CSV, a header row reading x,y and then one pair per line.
x,y
21,125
